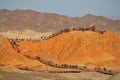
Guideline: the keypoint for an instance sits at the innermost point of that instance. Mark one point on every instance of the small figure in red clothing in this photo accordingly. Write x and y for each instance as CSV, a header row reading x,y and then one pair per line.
x,y
92,28
97,69
18,51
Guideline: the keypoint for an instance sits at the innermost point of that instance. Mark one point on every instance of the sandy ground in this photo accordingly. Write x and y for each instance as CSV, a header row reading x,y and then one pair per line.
x,y
86,76
24,34
16,74
115,77
1,76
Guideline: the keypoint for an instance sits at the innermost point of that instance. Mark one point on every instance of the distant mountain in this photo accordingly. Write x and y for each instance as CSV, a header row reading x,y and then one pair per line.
x,y
114,17
44,22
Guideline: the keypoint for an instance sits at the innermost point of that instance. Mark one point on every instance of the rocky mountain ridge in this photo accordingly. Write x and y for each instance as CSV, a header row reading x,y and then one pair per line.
x,y
46,22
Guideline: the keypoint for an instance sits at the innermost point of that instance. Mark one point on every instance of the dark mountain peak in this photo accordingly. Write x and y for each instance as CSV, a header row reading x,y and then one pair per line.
x,y
27,12
4,10
89,16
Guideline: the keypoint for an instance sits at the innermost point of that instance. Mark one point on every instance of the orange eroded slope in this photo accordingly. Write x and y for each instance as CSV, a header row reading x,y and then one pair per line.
x,y
8,56
77,47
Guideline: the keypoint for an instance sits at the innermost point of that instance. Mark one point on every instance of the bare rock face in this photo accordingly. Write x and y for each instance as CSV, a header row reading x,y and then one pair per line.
x,y
29,19
77,47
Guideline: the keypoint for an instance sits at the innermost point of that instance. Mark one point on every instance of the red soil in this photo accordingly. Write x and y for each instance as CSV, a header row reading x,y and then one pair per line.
x,y
74,47
8,56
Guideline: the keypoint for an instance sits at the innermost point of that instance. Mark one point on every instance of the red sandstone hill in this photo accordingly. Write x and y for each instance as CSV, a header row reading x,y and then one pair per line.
x,y
75,47
8,56
29,19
